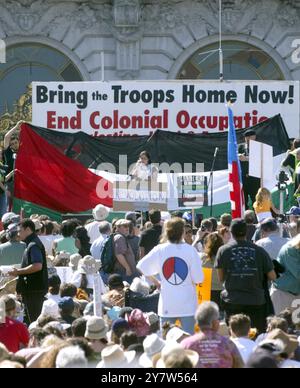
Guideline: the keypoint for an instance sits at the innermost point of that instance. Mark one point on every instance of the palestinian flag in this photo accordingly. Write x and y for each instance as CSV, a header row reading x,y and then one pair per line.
x,y
57,170
163,146
48,178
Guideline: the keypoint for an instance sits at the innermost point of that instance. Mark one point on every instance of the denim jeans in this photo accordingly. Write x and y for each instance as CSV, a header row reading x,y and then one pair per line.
x,y
187,323
3,204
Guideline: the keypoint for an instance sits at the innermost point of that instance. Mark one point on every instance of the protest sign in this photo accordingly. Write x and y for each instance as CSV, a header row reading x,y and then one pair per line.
x,y
192,191
140,195
140,108
261,163
97,296
204,289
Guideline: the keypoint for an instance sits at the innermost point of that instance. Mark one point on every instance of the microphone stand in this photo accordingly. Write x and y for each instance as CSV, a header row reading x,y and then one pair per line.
x,y
211,182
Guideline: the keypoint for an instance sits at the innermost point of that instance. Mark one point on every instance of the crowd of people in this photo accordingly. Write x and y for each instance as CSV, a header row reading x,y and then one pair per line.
x,y
148,270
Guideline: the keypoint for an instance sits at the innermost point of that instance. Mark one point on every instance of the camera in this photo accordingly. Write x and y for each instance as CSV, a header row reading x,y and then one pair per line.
x,y
282,179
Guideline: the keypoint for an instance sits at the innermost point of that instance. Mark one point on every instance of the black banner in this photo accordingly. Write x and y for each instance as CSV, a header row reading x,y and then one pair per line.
x,y
163,146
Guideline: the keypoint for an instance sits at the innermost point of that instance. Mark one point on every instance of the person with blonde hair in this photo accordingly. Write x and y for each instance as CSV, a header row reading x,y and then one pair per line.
x,y
264,206
286,289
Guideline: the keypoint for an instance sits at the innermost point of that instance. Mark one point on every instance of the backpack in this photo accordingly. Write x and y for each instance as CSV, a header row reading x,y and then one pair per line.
x,y
108,258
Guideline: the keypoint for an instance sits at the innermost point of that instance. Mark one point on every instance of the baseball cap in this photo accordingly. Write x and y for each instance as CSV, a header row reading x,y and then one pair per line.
x,y
66,303
294,211
13,228
269,224
9,218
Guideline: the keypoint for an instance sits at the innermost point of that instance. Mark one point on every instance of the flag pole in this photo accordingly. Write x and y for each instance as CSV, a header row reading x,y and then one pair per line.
x,y
221,57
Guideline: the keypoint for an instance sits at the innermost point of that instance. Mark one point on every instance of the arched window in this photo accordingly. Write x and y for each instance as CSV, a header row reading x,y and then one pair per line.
x,y
242,61
25,63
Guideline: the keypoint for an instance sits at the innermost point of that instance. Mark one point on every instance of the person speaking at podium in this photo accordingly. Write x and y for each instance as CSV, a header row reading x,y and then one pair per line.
x,y
144,169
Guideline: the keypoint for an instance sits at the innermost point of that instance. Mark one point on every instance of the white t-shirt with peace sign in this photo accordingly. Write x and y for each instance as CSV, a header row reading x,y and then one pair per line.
x,y
180,269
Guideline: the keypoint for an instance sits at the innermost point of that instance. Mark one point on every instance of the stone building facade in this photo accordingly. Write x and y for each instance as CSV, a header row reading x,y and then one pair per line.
x,y
142,40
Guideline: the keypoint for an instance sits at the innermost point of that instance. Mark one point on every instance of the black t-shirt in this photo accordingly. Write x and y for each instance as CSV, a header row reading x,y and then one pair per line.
x,y
150,238
243,150
245,266
9,159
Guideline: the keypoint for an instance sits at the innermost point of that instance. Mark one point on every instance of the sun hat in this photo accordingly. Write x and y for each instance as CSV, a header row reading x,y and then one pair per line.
x,y
100,213
175,334
96,328
172,348
74,261
50,308
153,345
10,218
114,357
71,357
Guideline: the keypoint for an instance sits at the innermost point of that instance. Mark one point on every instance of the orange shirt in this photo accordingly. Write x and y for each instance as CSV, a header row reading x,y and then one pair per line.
x,y
265,207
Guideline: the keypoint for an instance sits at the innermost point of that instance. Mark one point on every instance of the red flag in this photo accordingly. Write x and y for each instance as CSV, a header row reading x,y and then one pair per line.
x,y
50,179
235,173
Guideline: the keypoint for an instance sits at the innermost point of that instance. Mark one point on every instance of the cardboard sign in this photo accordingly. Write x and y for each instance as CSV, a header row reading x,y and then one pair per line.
x,y
204,289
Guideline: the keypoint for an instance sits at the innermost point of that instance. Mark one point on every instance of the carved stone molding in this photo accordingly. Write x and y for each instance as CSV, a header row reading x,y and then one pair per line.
x,y
128,31
39,17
